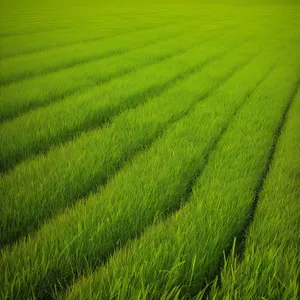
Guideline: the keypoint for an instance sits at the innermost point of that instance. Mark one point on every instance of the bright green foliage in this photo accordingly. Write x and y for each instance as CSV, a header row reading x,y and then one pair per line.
x,y
186,249
55,86
24,66
62,120
112,147
270,266
139,142
106,219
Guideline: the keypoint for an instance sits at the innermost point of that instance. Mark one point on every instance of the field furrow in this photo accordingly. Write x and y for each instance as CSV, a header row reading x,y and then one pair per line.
x,y
149,150
12,47
69,26
160,177
25,66
111,144
186,250
56,29
63,120
109,28
28,94
111,147
269,267
32,93
96,24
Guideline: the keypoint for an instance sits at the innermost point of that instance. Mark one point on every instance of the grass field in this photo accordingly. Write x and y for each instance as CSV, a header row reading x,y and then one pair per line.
x,y
149,150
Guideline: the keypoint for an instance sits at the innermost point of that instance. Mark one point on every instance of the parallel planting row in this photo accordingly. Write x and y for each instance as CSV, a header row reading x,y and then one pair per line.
x,y
62,119
27,94
181,244
97,24
153,158
272,244
43,41
111,143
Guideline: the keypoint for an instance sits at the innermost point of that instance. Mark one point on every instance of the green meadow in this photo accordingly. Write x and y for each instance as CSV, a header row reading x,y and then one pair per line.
x,y
149,150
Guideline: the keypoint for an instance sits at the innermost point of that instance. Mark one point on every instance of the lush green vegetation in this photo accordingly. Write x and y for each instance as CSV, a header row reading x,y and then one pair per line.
x,y
63,119
157,46
272,244
149,152
190,243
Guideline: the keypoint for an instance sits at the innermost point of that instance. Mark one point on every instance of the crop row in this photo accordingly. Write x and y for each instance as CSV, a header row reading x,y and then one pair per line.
x,y
61,120
20,67
12,46
30,93
270,267
24,66
99,20
34,92
93,157
102,25
149,187
43,22
185,251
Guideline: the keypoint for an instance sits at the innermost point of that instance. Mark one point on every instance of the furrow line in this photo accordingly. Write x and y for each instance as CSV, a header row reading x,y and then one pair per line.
x,y
240,242
225,128
36,142
205,292
31,98
114,133
234,251
34,32
272,240
69,28
144,147
76,63
21,67
154,176
168,254
171,210
86,40
185,195
78,90
139,99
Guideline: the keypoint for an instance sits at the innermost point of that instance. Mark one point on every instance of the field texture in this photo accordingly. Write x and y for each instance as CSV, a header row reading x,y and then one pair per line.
x,y
149,151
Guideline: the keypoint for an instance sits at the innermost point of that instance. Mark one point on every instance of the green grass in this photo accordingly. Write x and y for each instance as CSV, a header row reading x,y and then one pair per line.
x,y
30,93
106,219
270,264
50,40
62,119
26,66
112,148
190,243
149,151
60,122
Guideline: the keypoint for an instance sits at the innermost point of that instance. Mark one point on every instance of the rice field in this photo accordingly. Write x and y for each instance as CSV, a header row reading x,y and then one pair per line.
x,y
149,151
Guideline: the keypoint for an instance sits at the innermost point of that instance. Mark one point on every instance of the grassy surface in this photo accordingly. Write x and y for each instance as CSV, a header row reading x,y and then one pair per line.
x,y
190,243
138,143
63,119
79,75
270,264
112,148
